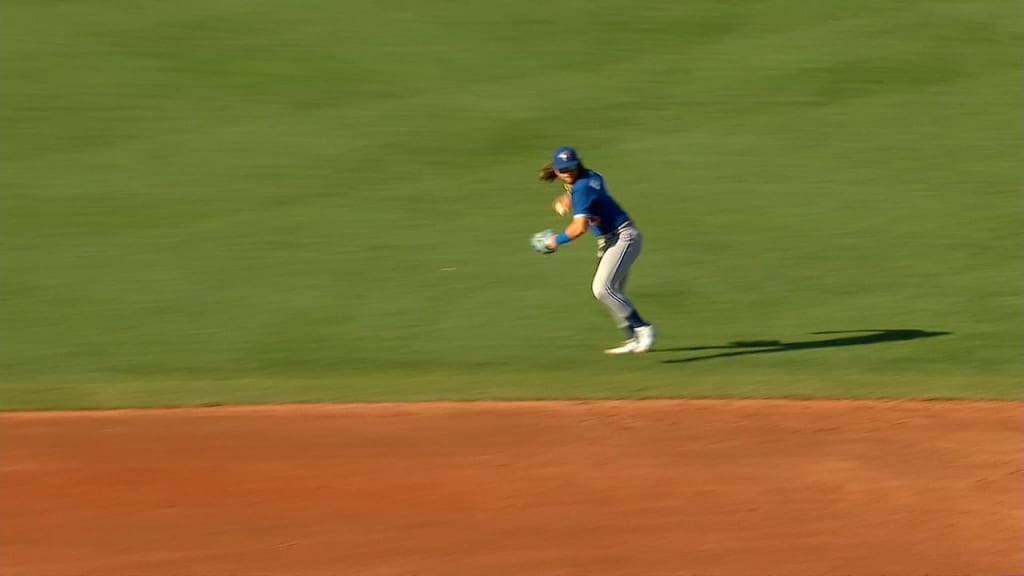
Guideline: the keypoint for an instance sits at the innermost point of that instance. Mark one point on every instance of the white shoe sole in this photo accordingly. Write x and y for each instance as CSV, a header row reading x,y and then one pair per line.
x,y
627,348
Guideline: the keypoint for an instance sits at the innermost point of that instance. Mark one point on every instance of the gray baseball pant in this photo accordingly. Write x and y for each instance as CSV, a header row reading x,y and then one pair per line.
x,y
620,250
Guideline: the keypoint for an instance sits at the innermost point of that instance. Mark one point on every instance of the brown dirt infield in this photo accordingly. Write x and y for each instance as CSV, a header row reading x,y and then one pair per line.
x,y
658,488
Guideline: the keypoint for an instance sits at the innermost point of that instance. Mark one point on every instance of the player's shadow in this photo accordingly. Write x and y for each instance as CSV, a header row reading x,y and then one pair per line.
x,y
748,347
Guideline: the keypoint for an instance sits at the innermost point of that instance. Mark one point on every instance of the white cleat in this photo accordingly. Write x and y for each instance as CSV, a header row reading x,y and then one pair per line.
x,y
644,339
627,347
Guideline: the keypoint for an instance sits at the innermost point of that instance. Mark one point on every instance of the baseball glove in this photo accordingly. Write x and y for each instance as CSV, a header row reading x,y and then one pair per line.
x,y
539,241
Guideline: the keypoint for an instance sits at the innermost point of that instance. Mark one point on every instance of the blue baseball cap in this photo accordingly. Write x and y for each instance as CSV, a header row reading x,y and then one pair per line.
x,y
565,158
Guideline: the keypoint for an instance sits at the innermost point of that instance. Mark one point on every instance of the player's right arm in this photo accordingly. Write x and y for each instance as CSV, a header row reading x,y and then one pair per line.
x,y
562,205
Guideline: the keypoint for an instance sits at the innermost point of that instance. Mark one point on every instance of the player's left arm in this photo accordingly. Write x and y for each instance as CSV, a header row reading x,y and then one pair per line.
x,y
574,230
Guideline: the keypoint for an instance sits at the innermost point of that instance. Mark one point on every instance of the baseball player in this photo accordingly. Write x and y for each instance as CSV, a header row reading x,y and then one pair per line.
x,y
618,240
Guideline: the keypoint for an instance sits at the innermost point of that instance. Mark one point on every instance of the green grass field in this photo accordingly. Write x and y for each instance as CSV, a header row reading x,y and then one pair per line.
x,y
265,201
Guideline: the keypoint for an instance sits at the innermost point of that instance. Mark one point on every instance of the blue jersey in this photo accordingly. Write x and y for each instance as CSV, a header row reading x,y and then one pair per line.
x,y
590,198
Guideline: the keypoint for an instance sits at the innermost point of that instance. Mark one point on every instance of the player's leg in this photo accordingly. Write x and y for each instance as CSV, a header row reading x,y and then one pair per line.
x,y
642,332
601,277
609,288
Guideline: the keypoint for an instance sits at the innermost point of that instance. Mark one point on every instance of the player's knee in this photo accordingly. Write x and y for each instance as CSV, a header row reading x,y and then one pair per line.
x,y
602,292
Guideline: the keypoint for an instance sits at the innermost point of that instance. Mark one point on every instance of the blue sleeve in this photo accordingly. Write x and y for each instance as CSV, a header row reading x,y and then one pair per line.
x,y
582,198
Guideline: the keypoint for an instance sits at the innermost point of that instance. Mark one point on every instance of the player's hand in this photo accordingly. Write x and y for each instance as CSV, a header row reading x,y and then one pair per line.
x,y
562,205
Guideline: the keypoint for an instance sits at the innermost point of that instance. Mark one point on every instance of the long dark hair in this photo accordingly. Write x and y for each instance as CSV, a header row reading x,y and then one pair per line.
x,y
548,174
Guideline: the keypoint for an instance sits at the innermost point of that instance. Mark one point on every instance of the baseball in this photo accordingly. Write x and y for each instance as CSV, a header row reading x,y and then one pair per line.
x,y
561,205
